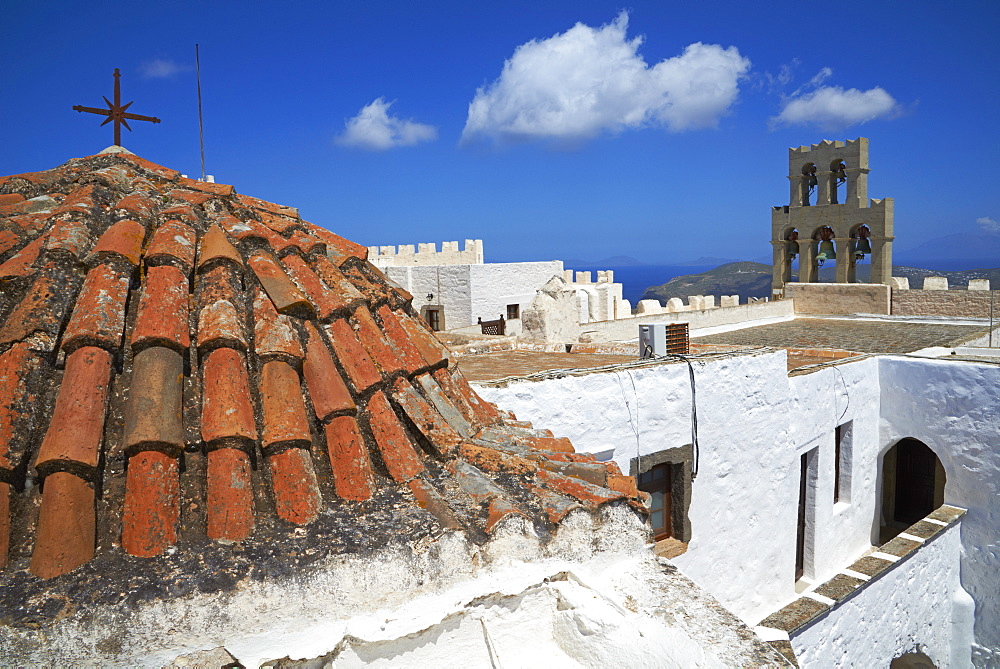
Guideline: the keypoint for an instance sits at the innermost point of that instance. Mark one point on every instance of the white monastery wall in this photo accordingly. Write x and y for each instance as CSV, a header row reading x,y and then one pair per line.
x,y
954,408
495,285
450,286
754,423
909,607
741,500
469,292
845,394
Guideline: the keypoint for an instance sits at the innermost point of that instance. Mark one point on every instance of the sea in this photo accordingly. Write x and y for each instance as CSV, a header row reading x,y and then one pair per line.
x,y
635,279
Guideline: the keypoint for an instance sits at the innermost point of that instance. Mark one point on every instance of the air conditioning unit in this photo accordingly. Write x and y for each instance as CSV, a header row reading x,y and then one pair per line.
x,y
656,339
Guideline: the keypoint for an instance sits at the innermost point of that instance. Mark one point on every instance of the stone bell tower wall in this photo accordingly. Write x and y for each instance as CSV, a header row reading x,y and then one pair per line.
x,y
844,210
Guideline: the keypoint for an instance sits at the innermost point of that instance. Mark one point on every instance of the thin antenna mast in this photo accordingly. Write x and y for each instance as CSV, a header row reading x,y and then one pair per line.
x,y
201,124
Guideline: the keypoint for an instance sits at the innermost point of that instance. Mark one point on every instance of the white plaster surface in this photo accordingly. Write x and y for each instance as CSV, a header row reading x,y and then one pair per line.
x,y
907,609
470,292
754,423
593,596
954,408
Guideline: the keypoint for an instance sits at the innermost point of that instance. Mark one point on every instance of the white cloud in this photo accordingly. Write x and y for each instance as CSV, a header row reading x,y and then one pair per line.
x,y
576,84
375,130
832,107
988,225
161,68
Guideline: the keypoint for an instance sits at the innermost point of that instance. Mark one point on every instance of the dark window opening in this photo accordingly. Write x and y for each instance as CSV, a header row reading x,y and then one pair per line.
x,y
513,311
800,536
433,317
913,486
657,483
842,444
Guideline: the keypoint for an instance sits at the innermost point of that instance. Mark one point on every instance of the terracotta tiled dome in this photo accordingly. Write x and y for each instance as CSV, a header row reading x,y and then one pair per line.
x,y
180,361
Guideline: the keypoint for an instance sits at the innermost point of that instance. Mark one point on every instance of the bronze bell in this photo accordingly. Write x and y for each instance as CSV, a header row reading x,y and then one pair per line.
x,y
863,246
827,251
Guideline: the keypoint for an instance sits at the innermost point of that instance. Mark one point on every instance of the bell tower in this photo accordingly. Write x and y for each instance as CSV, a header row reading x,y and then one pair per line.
x,y
829,217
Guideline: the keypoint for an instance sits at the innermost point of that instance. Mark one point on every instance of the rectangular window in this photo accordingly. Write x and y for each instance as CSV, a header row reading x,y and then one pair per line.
x,y
432,315
513,311
666,476
842,463
657,483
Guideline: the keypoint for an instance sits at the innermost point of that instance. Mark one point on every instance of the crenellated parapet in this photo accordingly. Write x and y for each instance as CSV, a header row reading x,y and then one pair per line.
x,y
427,253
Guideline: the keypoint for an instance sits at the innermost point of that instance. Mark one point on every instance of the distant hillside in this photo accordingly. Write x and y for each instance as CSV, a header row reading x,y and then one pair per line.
x,y
753,279
744,278
980,249
613,261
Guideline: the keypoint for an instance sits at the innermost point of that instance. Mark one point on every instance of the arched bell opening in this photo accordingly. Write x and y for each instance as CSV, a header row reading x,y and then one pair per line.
x,y
825,254
861,249
838,178
792,251
913,481
809,182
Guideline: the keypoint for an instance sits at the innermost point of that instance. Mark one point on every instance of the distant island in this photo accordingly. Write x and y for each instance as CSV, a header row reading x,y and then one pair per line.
x,y
753,279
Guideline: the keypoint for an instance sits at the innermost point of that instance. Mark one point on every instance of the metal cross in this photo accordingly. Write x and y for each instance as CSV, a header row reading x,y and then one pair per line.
x,y
116,112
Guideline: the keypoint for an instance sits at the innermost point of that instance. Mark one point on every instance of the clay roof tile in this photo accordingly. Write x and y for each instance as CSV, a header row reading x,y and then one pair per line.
x,y
17,402
226,410
296,490
327,389
274,335
285,295
38,317
207,187
229,495
326,301
153,409
73,440
67,526
123,239
398,451
151,510
352,468
162,318
361,372
99,314
285,421
214,246
20,264
172,242
72,236
135,205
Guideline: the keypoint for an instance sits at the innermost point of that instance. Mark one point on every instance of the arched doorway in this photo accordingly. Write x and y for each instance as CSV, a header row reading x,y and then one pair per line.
x,y
913,482
913,661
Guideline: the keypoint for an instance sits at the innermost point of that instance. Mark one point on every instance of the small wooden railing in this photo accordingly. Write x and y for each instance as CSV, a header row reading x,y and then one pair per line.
x,y
497,327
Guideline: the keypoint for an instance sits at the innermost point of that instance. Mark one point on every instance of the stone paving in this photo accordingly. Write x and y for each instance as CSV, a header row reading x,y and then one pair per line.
x,y
518,363
848,335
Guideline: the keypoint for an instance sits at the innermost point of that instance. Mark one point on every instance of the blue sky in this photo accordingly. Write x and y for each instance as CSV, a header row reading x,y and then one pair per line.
x,y
656,130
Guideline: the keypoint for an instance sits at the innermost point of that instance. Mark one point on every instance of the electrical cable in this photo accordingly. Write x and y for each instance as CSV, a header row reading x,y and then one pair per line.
x,y
694,406
634,428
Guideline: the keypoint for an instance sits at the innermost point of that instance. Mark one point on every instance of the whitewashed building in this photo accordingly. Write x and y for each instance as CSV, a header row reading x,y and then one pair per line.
x,y
454,289
788,489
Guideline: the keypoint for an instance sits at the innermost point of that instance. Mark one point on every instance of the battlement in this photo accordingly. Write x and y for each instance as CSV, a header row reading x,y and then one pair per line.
x,y
603,276
427,253
827,143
